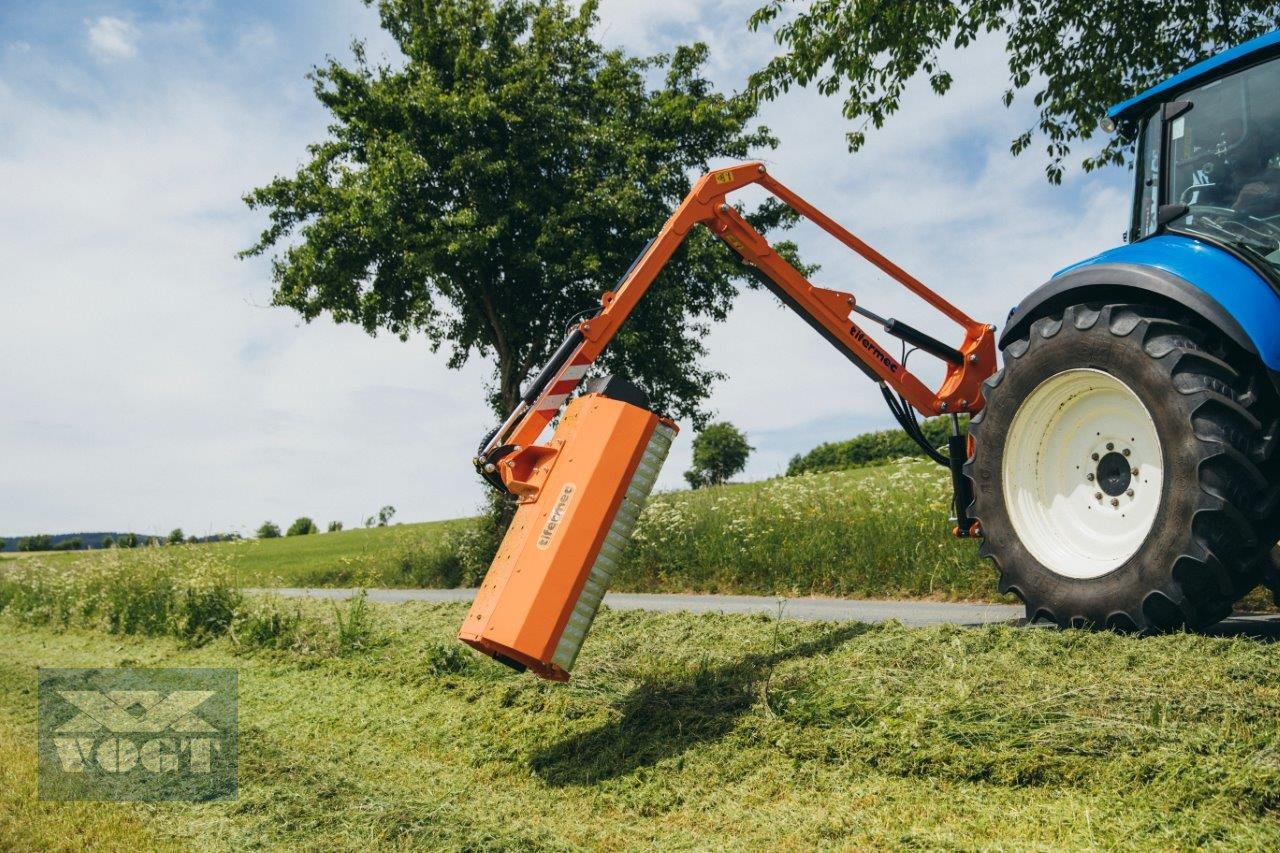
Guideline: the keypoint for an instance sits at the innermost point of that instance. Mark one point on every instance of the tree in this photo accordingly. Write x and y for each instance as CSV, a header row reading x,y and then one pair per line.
x,y
107,542
176,536
719,452
302,527
269,530
382,519
75,543
127,540
1079,56
487,191
39,542
335,526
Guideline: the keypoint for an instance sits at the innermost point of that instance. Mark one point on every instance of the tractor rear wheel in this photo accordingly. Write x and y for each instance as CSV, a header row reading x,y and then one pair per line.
x,y
1120,471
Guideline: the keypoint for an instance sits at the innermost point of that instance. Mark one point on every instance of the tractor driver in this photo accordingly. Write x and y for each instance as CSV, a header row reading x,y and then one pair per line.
x,y
1254,185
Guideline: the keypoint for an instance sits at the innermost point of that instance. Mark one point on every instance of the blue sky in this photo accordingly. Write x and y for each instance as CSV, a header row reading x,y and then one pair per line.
x,y
147,384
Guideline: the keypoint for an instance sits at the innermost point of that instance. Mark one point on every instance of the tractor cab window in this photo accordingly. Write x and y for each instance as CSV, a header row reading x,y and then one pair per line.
x,y
1148,169
1224,163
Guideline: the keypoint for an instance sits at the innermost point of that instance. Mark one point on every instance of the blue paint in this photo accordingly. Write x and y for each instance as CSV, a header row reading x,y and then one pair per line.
x,y
1198,73
1232,283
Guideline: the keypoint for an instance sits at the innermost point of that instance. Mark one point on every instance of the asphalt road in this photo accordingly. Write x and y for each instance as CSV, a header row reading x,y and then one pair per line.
x,y
830,609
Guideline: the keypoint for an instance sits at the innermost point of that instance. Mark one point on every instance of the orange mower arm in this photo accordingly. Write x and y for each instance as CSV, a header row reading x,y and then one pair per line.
x,y
829,312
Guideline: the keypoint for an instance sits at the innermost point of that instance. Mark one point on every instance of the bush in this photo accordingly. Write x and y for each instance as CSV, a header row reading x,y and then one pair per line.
x,y
335,527
302,527
269,530
719,452
175,536
871,448
127,540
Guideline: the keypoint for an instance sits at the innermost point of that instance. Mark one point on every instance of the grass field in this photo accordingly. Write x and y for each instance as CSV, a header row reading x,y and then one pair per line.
x,y
877,532
698,732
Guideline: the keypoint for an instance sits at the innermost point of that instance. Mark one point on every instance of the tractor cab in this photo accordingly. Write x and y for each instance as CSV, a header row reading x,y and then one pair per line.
x,y
1208,157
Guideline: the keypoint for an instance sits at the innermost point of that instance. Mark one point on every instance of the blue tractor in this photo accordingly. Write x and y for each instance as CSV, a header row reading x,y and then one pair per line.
x,y
1125,469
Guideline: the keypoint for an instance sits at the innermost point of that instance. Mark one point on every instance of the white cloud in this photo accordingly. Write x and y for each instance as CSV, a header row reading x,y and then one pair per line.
x,y
112,38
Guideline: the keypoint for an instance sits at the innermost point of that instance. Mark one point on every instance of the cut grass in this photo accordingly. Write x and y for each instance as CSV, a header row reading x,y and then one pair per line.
x,y
683,731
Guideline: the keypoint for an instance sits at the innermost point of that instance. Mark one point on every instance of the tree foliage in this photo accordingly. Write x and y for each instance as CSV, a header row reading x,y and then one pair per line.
x,y
1077,57
302,526
719,452
38,542
486,191
269,530
175,536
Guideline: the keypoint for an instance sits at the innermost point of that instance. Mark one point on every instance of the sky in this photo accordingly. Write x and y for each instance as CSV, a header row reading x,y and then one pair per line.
x,y
147,383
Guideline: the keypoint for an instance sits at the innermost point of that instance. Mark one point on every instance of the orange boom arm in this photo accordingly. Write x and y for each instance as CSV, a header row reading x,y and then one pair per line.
x,y
828,311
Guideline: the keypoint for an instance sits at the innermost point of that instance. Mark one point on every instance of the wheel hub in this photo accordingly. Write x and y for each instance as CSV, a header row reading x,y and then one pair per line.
x,y
1114,474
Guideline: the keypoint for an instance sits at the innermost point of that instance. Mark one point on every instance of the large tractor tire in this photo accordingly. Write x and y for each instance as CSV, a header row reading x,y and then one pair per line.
x,y
1122,470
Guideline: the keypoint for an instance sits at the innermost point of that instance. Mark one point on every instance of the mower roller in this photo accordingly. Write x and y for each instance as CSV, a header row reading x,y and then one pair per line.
x,y
1120,469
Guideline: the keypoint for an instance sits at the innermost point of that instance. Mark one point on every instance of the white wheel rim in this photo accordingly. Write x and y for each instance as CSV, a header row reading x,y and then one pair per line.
x,y
1064,463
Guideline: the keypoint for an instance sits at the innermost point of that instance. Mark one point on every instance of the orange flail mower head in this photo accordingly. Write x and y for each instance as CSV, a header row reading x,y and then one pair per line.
x,y
580,495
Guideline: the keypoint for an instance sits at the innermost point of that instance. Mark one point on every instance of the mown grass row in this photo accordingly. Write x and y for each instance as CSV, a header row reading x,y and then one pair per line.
x,y
681,731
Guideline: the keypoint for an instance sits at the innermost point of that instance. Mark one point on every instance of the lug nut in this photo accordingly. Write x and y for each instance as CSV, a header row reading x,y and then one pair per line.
x,y
1110,446
1097,496
1094,457
1115,502
1089,477
1129,493
1125,451
1134,472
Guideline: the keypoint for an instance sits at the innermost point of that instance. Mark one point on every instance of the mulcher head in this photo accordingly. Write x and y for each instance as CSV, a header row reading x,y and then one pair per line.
x,y
580,495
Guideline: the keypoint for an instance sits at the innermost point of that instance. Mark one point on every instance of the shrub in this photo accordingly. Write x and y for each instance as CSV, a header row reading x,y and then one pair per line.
x,y
719,452
871,448
107,542
175,536
269,530
335,526
302,527
127,540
